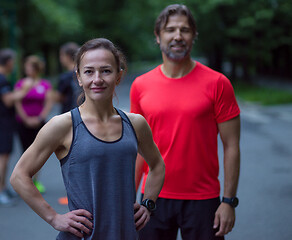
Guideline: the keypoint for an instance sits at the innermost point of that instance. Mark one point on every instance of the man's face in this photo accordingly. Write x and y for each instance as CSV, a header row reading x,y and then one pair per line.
x,y
176,38
10,65
63,58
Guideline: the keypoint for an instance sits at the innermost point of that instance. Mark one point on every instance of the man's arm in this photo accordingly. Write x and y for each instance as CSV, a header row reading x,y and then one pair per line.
x,y
230,136
10,98
139,170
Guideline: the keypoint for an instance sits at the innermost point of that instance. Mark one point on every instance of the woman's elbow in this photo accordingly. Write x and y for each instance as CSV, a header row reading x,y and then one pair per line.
x,y
15,179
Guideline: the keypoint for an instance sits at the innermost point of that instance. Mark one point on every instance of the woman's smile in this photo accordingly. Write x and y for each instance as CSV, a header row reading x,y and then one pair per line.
x,y
97,89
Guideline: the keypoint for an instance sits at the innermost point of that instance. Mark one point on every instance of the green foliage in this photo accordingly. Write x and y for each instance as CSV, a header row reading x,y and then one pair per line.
x,y
63,15
49,22
7,19
255,35
257,30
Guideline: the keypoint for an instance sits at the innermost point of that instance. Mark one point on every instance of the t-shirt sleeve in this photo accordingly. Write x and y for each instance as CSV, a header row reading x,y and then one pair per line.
x,y
135,99
225,106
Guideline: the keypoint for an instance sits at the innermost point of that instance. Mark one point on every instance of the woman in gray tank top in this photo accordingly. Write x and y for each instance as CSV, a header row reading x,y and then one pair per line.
x,y
97,146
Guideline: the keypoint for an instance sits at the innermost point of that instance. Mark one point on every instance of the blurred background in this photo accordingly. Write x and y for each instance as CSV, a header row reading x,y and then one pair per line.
x,y
250,41
241,38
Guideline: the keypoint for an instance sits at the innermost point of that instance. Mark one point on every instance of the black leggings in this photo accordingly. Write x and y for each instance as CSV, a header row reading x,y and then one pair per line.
x,y
27,135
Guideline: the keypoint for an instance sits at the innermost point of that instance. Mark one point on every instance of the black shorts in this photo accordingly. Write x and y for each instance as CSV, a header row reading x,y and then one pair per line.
x,y
194,218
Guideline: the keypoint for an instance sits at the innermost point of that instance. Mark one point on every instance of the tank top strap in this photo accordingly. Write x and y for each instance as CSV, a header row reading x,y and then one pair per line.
x,y
76,118
123,116
126,120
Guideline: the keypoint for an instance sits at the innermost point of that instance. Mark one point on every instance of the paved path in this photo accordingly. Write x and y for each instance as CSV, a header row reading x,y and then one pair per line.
x,y
265,188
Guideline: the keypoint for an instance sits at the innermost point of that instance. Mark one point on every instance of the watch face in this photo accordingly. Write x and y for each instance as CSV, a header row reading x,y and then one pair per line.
x,y
235,202
151,204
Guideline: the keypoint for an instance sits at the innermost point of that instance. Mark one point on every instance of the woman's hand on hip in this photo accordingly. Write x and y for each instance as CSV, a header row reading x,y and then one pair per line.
x,y
76,222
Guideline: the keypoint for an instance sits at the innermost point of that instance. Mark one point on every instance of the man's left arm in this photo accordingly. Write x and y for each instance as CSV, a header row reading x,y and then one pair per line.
x,y
230,136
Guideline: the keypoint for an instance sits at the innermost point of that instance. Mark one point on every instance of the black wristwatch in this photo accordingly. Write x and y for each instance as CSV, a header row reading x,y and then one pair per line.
x,y
233,202
149,204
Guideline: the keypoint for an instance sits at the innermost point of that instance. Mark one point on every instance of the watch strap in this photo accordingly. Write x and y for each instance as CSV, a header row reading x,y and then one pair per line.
x,y
233,202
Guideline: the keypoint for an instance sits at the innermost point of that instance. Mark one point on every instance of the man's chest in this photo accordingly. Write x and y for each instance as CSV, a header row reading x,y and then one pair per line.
x,y
181,100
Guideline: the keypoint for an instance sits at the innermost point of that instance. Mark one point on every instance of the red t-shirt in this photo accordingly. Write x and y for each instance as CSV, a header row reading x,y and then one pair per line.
x,y
183,115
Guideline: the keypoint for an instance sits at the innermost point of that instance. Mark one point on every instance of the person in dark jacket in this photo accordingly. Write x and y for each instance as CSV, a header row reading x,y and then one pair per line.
x,y
68,88
7,116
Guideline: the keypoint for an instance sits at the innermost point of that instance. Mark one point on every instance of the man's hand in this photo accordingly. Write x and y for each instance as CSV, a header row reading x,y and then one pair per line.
x,y
224,219
76,222
141,216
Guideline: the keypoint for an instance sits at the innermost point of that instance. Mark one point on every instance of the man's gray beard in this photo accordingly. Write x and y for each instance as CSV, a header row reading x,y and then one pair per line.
x,y
175,56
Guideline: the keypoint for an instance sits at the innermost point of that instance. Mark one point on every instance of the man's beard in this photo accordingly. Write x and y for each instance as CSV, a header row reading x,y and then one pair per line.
x,y
176,56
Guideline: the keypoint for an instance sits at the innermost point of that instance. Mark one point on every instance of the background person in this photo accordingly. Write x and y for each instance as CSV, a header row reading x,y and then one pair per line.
x,y
33,109
186,104
7,120
68,89
97,146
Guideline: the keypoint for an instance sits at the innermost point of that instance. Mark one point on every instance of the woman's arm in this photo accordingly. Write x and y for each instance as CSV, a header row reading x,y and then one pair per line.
x,y
20,111
48,140
149,151
49,101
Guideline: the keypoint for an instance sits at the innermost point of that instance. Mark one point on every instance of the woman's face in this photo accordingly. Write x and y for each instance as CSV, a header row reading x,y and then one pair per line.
x,y
29,70
98,74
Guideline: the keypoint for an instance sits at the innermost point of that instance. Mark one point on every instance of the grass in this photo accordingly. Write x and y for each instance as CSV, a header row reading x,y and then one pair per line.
x,y
262,95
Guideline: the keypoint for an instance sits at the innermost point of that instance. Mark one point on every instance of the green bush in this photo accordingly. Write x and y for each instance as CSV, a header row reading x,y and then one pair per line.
x,y
262,95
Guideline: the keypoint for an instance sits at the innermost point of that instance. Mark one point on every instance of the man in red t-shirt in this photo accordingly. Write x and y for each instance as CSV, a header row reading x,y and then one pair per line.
x,y
186,105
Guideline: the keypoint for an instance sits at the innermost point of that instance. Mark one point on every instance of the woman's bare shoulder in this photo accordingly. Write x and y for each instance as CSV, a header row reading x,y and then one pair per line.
x,y
139,123
135,118
59,124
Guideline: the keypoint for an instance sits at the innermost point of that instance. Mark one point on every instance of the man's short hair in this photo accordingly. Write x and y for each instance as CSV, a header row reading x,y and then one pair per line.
x,y
6,54
175,9
70,49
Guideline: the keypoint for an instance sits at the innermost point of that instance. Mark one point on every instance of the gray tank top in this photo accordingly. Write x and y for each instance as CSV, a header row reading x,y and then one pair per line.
x,y
99,176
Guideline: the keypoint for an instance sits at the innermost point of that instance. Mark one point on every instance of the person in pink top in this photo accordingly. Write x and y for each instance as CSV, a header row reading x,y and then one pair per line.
x,y
33,109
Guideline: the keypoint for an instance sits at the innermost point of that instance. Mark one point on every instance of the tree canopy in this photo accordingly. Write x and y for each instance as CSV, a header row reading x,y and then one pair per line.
x,y
255,36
